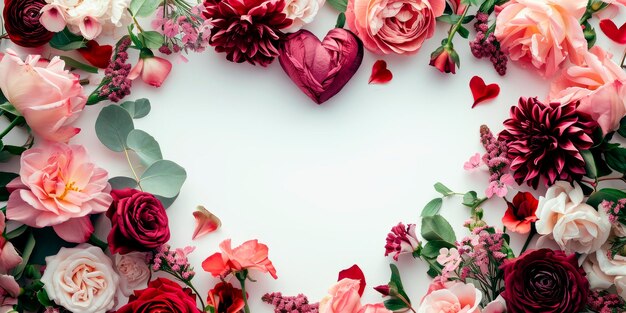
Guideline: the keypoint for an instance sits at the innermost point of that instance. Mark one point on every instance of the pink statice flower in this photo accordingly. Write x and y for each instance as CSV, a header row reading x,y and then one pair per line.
x,y
402,239
473,162
175,262
500,187
183,28
286,304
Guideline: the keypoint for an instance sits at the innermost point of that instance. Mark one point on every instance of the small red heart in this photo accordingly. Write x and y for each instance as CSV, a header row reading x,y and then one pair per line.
x,y
380,73
482,92
354,272
96,55
610,30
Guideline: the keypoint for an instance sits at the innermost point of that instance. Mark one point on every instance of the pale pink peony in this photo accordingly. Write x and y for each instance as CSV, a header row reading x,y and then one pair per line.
x,y
452,297
543,33
9,258
59,187
393,26
48,96
599,86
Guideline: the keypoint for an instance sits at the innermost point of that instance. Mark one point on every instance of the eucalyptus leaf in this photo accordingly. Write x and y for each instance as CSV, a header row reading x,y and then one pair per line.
x,y
143,8
167,202
112,127
146,147
436,227
138,108
432,207
122,182
151,39
163,178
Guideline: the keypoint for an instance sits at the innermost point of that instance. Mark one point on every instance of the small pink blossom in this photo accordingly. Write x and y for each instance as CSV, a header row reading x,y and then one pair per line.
x,y
402,239
473,163
206,222
499,187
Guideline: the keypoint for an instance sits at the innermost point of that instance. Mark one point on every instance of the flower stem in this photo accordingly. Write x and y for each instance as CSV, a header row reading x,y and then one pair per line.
x,y
14,123
94,240
241,276
454,28
532,233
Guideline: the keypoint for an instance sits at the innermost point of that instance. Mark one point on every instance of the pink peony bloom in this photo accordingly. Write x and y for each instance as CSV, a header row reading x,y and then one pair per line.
x,y
249,255
9,258
153,70
543,33
599,86
48,96
59,187
9,290
393,26
452,298
344,297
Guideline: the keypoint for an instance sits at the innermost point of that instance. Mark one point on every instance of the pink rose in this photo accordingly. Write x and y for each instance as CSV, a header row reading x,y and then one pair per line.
x,y
48,96
453,298
249,255
59,187
599,86
543,33
9,290
393,26
344,297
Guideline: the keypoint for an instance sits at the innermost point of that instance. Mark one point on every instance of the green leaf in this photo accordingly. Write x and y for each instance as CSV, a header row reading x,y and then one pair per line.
x,y
470,199
43,298
431,248
437,228
395,305
445,191
16,232
341,20
432,207
14,150
5,178
590,164
138,108
151,39
112,127
143,8
7,107
66,40
167,202
450,19
79,65
622,127
28,250
122,182
608,194
463,32
339,5
616,158
163,178
146,147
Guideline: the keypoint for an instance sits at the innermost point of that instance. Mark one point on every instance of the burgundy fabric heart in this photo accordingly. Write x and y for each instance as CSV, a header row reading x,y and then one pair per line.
x,y
321,69
95,54
354,272
482,92
610,30
380,73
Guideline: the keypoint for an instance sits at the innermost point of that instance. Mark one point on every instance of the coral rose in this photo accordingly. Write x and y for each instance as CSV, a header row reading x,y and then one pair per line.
x,y
81,279
48,96
21,20
599,86
249,255
161,296
59,187
393,26
139,222
520,214
542,33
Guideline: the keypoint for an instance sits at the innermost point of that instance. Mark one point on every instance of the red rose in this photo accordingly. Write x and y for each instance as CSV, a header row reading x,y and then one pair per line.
x,y
21,20
225,298
161,296
520,214
544,281
139,222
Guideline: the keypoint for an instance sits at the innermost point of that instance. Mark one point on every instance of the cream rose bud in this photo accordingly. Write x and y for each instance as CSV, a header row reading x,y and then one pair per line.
x,y
574,225
133,270
302,12
81,279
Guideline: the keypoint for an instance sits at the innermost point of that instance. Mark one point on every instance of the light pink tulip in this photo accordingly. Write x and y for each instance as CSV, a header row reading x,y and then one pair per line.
x,y
599,85
48,96
454,297
542,33
153,70
59,187
9,258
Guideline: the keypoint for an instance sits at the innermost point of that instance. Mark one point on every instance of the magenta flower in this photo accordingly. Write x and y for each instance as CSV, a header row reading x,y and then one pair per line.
x,y
545,141
402,239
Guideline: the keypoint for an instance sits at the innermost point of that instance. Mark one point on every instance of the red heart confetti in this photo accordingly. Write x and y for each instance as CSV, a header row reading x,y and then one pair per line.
x,y
380,73
482,92
95,54
355,273
610,30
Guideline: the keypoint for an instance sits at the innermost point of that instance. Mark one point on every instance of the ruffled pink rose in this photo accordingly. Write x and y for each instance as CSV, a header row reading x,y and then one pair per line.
x,y
344,297
48,96
59,187
393,26
599,86
454,297
9,258
543,33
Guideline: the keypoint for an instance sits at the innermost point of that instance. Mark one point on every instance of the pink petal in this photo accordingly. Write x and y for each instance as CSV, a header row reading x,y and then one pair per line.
x,y
52,18
354,272
155,71
90,27
76,230
206,222
136,70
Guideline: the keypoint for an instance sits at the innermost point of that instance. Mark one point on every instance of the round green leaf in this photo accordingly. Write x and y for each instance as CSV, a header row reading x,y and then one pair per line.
x,y
146,147
437,228
122,182
163,178
112,127
138,108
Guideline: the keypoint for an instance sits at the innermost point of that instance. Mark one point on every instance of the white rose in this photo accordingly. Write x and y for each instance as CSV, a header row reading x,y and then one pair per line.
x,y
87,17
133,270
574,225
620,285
598,279
81,279
301,12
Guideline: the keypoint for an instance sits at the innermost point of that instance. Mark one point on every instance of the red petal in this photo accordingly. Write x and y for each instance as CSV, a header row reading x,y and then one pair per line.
x,y
355,273
380,73
482,92
206,222
97,55
610,30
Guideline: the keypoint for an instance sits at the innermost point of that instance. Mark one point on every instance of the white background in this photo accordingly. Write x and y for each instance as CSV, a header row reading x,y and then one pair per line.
x,y
320,185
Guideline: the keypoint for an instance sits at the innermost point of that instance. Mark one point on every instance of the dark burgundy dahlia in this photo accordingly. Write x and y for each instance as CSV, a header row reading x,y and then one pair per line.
x,y
545,140
247,30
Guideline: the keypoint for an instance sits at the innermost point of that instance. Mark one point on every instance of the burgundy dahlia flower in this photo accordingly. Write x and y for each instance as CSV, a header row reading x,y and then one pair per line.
x,y
247,30
545,140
